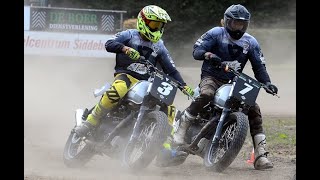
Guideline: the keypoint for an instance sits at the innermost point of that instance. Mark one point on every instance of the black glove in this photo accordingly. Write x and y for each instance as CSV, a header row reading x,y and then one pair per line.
x,y
272,88
214,59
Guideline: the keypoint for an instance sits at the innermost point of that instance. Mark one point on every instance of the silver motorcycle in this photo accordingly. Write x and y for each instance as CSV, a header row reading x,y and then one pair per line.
x,y
134,130
220,129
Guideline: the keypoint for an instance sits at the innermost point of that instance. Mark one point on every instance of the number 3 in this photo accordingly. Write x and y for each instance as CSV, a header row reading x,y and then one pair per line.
x,y
165,90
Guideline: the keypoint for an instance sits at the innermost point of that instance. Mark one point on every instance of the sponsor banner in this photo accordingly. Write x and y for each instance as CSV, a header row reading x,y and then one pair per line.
x,y
75,20
66,44
26,18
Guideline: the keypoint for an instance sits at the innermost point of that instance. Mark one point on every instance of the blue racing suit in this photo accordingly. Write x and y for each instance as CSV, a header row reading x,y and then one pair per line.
x,y
137,70
218,41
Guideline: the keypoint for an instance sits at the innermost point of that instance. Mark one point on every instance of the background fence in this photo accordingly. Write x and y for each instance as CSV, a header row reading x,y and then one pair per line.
x,y
69,31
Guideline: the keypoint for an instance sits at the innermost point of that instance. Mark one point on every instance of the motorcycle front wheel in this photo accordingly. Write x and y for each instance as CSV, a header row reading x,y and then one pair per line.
x,y
234,133
154,131
76,152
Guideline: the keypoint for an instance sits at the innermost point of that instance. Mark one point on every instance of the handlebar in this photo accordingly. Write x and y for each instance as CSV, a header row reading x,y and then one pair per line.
x,y
147,63
268,90
265,87
185,92
143,60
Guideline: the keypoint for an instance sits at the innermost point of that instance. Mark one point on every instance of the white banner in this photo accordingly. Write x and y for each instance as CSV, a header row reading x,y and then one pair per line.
x,y
26,18
66,44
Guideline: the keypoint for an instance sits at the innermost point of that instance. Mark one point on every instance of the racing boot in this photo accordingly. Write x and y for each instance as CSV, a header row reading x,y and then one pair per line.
x,y
170,157
84,129
260,154
92,120
185,122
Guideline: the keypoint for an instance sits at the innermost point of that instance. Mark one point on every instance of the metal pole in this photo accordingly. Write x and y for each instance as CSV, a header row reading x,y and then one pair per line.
x,y
121,21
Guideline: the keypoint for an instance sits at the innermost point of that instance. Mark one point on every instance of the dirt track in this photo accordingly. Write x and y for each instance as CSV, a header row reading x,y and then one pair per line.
x,y
54,88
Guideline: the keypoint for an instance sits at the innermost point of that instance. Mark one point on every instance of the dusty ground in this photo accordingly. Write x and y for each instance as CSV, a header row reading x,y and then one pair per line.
x,y
55,87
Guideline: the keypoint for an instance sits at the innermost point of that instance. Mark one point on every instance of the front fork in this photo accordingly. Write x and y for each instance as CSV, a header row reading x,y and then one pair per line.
x,y
136,127
221,122
225,112
148,102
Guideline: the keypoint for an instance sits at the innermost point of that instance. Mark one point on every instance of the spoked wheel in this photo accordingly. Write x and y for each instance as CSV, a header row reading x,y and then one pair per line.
x,y
76,152
233,136
140,152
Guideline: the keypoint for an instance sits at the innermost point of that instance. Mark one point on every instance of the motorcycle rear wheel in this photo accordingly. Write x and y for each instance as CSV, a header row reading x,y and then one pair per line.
x,y
140,152
233,136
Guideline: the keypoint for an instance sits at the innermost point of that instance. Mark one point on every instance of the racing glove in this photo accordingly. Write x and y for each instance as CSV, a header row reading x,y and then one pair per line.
x,y
216,60
132,53
271,87
188,90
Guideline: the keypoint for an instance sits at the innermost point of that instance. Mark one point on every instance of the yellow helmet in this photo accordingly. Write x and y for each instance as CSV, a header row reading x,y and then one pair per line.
x,y
151,22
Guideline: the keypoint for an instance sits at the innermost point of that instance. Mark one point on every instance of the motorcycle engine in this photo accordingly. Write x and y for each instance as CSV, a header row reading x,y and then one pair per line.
x,y
192,132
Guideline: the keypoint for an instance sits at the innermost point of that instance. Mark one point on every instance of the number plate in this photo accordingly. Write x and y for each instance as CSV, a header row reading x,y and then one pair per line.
x,y
164,88
246,89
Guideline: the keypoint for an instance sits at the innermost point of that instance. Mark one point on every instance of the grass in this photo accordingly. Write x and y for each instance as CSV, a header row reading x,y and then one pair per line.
x,y
281,131
281,137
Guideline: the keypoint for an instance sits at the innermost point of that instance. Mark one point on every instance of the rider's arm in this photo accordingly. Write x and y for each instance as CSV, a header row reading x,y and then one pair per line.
x,y
116,44
177,76
258,63
168,65
205,43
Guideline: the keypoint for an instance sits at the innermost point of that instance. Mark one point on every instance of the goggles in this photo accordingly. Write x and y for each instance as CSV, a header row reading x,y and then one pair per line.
x,y
237,25
155,25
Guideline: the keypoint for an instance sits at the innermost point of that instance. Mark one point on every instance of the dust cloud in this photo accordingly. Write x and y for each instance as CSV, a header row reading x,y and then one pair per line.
x,y
54,87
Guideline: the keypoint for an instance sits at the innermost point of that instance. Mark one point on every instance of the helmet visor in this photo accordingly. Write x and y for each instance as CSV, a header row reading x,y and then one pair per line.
x,y
237,25
155,25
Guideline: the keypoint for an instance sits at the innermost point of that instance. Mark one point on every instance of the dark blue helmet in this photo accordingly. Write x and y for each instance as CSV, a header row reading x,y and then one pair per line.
x,y
236,20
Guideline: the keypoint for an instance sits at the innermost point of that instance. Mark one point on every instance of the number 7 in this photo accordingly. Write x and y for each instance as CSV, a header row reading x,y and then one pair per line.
x,y
246,89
